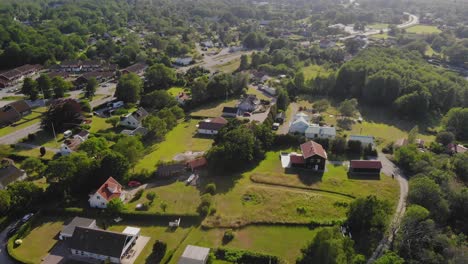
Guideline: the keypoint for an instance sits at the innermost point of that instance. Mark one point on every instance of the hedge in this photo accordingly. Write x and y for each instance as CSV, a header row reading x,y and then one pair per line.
x,y
127,215
246,257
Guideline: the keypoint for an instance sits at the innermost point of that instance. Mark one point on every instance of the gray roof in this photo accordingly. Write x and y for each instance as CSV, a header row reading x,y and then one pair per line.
x,y
98,241
194,254
77,221
140,114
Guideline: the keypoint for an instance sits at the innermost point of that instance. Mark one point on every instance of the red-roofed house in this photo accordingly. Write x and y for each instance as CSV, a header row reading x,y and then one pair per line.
x,y
365,166
111,189
211,126
314,155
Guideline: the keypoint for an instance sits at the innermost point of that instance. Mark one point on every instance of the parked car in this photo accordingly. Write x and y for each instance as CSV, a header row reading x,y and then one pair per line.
x,y
26,217
12,231
67,134
247,114
134,184
275,126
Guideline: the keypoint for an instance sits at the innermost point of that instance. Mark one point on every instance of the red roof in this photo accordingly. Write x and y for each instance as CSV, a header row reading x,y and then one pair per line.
x,y
197,163
312,148
295,159
110,189
366,164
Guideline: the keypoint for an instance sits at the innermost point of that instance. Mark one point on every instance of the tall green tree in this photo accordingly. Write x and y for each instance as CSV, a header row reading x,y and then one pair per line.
x,y
129,88
29,88
159,77
129,147
44,84
90,89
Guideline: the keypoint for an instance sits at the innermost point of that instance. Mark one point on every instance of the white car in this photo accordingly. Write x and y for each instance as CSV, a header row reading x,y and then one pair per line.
x,y
26,218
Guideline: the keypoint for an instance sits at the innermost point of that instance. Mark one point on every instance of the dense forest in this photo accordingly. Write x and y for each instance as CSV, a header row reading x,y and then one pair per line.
x,y
403,80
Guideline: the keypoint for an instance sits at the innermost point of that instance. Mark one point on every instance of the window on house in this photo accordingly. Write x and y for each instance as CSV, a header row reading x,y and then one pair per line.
x,y
97,197
102,203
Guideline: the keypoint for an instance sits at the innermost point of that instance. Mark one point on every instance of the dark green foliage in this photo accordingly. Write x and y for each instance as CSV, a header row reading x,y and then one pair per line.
x,y
390,258
367,219
23,195
228,236
61,115
138,195
210,188
255,40
159,77
90,88
460,166
403,79
445,138
129,88
159,250
158,100
425,192
456,121
245,257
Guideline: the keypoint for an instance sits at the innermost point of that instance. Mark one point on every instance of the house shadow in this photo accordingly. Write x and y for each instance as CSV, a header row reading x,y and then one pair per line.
x,y
364,176
306,176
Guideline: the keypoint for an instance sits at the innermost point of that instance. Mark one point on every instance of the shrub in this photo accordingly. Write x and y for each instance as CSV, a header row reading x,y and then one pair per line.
x,y
85,106
120,111
228,236
210,188
151,196
138,195
301,210
31,137
159,250
163,206
204,210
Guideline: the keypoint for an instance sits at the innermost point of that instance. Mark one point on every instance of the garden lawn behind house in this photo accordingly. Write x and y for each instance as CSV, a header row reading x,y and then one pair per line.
x,y
423,29
214,109
29,120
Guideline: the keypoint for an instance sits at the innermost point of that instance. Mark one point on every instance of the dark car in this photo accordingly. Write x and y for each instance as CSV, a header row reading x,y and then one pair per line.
x,y
247,114
12,231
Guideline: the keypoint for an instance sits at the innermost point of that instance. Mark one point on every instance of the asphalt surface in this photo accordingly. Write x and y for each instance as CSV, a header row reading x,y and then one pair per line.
x,y
4,257
19,134
389,169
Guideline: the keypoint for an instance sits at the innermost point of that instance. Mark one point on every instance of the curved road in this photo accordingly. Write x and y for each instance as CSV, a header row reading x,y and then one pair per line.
x,y
4,257
388,169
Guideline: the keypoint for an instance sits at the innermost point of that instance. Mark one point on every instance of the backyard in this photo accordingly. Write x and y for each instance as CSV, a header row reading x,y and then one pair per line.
x,y
423,29
181,139
312,71
29,120
213,109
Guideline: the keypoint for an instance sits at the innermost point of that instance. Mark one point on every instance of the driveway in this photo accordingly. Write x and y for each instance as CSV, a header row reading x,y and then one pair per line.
x,y
388,169
284,128
4,257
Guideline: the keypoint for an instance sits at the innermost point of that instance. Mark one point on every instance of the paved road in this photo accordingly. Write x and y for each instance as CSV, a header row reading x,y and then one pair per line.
x,y
284,128
388,169
19,134
32,146
4,257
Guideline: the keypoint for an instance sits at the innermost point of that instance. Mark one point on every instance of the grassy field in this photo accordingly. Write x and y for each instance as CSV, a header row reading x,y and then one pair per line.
x,y
29,120
230,66
380,36
423,29
99,124
312,71
263,239
179,198
174,91
259,94
214,109
277,195
378,26
42,238
181,139
171,237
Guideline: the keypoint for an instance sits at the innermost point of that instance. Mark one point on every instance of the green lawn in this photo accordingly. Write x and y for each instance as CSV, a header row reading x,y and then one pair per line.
x,y
12,98
230,66
174,91
99,124
42,238
259,94
179,197
312,71
284,242
380,36
378,26
214,109
423,29
179,140
29,120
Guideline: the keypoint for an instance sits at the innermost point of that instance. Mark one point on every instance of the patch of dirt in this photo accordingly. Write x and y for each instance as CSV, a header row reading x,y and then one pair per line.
x,y
189,155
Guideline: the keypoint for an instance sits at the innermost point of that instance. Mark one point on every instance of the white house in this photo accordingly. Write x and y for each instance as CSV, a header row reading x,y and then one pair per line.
x,y
67,231
365,140
194,255
249,103
320,132
111,189
101,245
71,145
211,126
299,125
302,115
135,119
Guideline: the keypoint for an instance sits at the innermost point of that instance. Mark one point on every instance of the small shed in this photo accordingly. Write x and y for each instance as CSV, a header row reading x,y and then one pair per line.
x,y
194,255
67,231
365,167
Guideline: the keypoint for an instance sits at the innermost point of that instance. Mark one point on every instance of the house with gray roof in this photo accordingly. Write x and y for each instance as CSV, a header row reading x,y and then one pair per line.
x,y
323,132
67,231
135,119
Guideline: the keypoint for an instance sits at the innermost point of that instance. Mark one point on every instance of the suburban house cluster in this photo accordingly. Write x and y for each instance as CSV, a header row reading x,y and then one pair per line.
x,y
71,144
16,75
301,125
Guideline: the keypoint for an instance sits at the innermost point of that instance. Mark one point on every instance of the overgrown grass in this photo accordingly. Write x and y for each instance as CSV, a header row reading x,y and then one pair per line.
x,y
179,198
423,29
380,36
230,66
174,91
179,140
214,109
312,71
378,26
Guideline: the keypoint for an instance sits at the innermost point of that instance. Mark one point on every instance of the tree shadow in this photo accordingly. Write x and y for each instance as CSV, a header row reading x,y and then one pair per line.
x,y
364,176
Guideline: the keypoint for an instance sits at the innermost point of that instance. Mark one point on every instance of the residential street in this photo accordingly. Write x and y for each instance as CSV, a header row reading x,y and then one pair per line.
x,y
19,134
4,257
390,168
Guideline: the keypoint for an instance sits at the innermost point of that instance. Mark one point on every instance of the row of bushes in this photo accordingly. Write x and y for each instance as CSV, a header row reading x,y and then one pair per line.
x,y
245,257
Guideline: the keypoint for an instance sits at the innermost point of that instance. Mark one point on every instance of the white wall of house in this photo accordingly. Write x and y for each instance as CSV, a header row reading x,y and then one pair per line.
x,y
207,132
94,256
97,201
65,150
